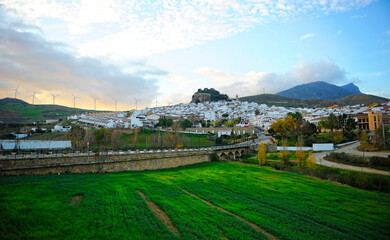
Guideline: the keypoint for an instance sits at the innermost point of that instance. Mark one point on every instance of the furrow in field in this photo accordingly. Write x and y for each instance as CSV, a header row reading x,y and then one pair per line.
x,y
269,235
160,214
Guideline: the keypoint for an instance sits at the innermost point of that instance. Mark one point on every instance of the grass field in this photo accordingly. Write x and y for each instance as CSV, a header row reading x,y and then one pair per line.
x,y
30,113
108,206
145,140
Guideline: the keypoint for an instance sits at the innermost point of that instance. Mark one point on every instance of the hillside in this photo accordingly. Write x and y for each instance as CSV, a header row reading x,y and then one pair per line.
x,y
360,99
276,100
18,111
320,90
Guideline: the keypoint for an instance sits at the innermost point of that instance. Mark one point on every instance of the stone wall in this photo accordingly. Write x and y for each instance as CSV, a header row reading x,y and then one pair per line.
x,y
102,163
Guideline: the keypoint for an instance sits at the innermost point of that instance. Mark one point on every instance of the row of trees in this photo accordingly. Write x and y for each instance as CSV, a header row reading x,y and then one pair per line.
x,y
168,122
294,125
341,122
310,161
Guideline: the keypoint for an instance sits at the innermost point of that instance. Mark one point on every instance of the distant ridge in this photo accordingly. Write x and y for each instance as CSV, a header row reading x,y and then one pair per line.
x,y
5,101
276,100
18,111
320,90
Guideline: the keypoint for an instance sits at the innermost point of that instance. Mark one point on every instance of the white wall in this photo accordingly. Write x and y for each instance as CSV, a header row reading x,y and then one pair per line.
x,y
323,146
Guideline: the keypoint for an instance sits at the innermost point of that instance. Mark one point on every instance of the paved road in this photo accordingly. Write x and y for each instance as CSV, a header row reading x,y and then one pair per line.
x,y
351,149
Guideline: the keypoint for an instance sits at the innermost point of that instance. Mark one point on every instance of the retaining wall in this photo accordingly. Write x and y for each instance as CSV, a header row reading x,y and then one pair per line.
x,y
102,163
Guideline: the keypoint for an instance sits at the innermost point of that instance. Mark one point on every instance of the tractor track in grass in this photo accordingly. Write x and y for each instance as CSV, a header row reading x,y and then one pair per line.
x,y
269,235
160,214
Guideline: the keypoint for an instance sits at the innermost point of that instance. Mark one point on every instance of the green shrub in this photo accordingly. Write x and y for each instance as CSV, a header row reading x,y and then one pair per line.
x,y
379,162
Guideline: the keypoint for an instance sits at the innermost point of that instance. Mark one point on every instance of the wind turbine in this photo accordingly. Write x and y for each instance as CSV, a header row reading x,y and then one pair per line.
x,y
33,97
156,102
169,103
16,91
74,100
116,101
136,103
94,102
54,98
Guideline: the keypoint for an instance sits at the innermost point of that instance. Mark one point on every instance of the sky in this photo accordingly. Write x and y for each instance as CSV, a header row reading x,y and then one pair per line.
x,y
116,50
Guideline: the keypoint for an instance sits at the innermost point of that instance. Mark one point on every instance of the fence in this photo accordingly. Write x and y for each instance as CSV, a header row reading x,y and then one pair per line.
x,y
293,149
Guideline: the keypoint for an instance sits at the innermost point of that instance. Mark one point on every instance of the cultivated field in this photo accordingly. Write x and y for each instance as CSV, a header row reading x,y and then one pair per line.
x,y
204,201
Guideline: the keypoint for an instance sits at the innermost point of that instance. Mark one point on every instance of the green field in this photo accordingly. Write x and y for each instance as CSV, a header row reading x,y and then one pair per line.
x,y
153,139
286,205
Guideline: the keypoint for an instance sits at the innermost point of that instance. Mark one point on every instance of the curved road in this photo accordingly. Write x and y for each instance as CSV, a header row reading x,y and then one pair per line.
x,y
351,149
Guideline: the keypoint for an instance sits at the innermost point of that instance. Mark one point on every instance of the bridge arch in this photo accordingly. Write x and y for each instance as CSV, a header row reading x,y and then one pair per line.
x,y
231,156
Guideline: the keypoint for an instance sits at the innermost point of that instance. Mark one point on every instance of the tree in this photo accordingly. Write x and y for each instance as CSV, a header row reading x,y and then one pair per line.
x,y
135,137
330,122
261,154
103,136
284,126
225,115
176,128
337,137
229,123
116,139
165,122
284,156
169,140
310,161
350,124
308,128
257,112
89,137
300,154
186,123
76,136
296,115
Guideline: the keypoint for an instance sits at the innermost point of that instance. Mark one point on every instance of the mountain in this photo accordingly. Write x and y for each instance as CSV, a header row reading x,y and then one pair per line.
x,y
320,90
208,95
352,88
277,100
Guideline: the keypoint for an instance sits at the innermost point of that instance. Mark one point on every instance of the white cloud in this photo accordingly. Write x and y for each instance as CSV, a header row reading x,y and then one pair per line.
x,y
253,82
118,28
35,64
308,36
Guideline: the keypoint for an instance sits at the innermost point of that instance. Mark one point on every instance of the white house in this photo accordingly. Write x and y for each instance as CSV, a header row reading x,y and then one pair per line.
x,y
224,132
210,116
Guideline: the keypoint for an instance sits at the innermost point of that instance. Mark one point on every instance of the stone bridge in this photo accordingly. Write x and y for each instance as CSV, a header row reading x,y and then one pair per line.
x,y
230,154
39,164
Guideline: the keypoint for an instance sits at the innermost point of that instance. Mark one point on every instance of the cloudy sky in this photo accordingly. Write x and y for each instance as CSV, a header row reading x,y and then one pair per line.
x,y
144,49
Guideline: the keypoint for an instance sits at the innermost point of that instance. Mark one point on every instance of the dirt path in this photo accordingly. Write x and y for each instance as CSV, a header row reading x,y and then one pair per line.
x,y
351,149
269,235
160,214
76,200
